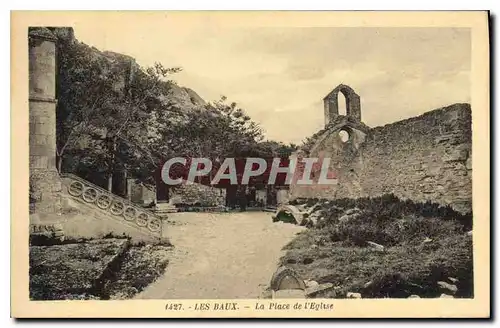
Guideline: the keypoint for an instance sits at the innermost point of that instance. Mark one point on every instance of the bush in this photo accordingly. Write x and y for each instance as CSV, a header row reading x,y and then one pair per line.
x,y
390,231
424,243
390,206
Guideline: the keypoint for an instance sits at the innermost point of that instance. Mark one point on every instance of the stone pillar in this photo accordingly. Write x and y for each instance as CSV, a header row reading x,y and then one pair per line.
x,y
45,185
331,108
130,182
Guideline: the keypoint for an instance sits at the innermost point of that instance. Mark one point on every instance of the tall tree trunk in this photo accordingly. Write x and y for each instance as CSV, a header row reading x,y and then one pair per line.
x,y
125,184
111,166
59,163
110,182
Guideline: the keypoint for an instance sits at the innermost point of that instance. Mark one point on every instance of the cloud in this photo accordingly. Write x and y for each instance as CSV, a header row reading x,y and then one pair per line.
x,y
280,75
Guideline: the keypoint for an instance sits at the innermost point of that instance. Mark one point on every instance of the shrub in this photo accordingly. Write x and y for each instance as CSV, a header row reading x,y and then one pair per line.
x,y
391,206
424,243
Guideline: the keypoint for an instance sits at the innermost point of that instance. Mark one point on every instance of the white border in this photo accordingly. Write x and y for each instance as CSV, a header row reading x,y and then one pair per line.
x,y
183,5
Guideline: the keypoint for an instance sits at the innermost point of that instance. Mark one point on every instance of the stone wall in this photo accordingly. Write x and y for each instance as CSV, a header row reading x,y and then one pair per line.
x,y
422,158
140,194
197,194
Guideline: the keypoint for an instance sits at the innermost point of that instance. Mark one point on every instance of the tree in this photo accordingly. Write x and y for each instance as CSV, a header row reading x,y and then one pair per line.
x,y
114,115
83,89
127,121
103,101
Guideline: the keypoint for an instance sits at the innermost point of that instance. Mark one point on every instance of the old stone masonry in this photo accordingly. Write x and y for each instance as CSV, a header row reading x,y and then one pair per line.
x,y
424,158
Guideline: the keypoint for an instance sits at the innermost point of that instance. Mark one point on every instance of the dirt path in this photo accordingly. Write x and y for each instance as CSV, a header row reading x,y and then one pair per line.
x,y
227,255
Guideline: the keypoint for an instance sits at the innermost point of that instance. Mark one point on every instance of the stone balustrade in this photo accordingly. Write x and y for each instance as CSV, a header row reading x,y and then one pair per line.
x,y
114,205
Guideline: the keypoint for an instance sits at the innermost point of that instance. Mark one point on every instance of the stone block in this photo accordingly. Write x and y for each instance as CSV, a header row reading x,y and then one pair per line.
x,y
450,288
311,283
286,278
457,155
290,293
468,163
319,289
375,246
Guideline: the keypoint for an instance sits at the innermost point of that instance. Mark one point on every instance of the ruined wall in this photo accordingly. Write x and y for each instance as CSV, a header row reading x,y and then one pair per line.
x,y
140,194
422,158
345,161
197,194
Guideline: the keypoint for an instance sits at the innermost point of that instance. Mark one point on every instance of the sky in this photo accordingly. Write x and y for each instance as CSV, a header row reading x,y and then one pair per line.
x,y
280,75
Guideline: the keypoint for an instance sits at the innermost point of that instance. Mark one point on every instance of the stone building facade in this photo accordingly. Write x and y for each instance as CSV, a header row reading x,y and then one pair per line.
x,y
424,158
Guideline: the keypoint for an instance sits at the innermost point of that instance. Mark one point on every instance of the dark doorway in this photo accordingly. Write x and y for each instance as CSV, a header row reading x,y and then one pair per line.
x,y
250,196
231,197
119,183
272,197
162,194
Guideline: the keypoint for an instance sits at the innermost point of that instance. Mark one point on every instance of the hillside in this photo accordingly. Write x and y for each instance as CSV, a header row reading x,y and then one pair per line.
x,y
383,247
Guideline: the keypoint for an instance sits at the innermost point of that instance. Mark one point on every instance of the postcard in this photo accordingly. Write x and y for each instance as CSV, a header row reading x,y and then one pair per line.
x,y
211,164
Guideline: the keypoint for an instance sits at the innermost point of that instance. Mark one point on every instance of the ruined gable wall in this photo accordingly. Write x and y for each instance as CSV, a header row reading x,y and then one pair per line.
x,y
345,161
422,158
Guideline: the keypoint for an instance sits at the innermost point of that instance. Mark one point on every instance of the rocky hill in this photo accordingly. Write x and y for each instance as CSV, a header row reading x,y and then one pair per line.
x,y
181,97
185,98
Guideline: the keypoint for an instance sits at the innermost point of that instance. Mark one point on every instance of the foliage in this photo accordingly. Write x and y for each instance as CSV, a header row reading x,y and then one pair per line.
x,y
113,115
103,100
387,206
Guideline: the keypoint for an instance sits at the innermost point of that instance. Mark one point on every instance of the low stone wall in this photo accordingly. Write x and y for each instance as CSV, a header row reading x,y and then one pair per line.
x,y
141,194
198,194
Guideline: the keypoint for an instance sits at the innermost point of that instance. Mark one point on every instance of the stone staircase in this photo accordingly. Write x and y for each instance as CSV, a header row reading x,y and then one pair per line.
x,y
99,202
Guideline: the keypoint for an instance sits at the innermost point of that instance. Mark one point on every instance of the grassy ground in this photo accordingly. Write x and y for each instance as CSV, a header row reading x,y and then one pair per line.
x,y
423,244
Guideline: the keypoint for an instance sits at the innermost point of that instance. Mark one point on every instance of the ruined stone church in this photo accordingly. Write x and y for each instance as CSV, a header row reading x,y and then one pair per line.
x,y
424,158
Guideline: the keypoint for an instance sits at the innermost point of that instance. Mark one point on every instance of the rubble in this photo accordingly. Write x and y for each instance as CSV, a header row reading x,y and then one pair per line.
x,y
311,283
318,289
375,246
353,295
447,287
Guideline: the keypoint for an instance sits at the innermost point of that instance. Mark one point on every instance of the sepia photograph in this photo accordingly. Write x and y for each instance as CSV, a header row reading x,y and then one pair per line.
x,y
251,164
